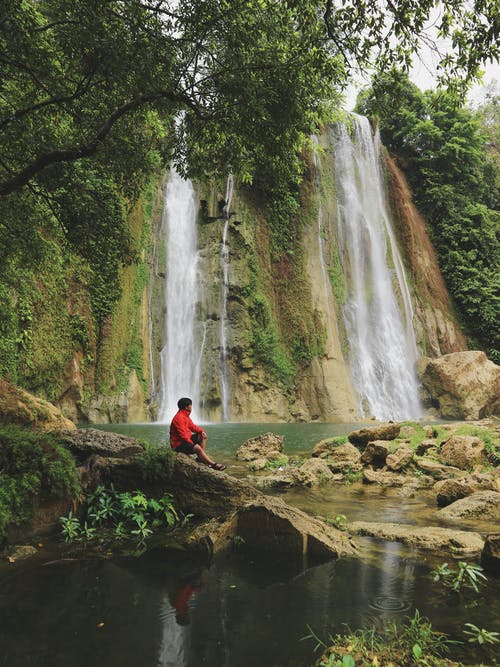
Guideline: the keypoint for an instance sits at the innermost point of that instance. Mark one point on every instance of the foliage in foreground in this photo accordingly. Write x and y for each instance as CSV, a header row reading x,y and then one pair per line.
x,y
114,516
32,465
414,643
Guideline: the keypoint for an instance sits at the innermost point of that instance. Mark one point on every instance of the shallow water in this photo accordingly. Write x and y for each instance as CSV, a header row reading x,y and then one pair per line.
x,y
244,609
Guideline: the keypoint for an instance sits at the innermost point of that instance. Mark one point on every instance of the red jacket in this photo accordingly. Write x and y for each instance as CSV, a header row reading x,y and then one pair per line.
x,y
182,428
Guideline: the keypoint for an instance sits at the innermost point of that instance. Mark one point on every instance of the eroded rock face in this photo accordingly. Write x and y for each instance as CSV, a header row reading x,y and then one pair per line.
x,y
266,446
438,470
399,459
363,436
462,451
375,452
458,542
383,477
480,505
490,558
19,407
465,385
313,472
339,457
449,490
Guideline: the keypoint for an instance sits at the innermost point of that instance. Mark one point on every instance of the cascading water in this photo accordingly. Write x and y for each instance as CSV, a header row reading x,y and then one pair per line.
x,y
224,261
181,354
382,344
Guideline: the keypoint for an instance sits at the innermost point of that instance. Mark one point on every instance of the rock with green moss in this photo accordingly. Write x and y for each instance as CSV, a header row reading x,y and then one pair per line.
x,y
19,407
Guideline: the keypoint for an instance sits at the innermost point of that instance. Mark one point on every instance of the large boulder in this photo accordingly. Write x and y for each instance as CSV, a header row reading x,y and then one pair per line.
x,y
383,477
484,505
437,470
265,446
375,452
313,472
464,385
458,543
449,490
363,436
462,451
18,406
490,558
340,457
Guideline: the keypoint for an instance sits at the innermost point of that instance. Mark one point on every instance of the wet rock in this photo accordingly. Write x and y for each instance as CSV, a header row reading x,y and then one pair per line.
x,y
20,552
449,490
262,446
424,446
340,457
459,543
375,452
462,451
258,464
383,477
407,431
466,385
480,505
86,442
281,479
363,436
490,558
437,470
399,459
313,472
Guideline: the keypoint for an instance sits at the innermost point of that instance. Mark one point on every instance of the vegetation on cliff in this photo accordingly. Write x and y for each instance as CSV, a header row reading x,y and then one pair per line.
x,y
34,467
97,97
450,164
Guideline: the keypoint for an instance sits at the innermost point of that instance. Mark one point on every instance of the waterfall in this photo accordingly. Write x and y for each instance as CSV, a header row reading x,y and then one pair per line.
x,y
224,262
180,356
381,340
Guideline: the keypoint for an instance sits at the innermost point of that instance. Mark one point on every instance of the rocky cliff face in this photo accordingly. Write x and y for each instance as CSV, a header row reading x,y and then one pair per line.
x,y
436,326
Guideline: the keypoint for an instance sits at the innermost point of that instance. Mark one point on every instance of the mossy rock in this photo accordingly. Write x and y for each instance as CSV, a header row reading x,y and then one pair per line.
x,y
19,407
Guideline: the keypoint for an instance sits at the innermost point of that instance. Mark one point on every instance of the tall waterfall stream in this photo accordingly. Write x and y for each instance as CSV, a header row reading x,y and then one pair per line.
x,y
181,354
377,314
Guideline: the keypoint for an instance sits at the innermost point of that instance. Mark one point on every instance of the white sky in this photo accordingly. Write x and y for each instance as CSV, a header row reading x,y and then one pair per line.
x,y
423,73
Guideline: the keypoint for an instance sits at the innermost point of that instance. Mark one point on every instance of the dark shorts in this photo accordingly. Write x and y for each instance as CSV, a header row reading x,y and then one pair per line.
x,y
188,447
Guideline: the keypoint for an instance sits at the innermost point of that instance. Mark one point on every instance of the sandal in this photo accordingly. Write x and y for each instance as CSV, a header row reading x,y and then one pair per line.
x,y
217,466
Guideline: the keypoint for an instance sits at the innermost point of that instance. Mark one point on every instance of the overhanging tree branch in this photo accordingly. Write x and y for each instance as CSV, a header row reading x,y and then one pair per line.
x,y
20,179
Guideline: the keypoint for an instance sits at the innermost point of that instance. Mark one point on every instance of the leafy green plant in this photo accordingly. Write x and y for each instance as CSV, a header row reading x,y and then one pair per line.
x,y
118,515
70,527
480,635
468,575
279,462
412,643
351,476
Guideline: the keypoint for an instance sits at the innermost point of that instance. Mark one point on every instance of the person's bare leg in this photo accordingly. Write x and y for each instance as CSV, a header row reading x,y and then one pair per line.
x,y
200,452
203,443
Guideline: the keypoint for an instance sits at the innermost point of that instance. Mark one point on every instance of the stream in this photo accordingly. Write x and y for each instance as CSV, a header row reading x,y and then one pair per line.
x,y
245,609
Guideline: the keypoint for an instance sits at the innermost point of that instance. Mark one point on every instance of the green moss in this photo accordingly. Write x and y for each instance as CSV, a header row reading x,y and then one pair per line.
x,y
32,465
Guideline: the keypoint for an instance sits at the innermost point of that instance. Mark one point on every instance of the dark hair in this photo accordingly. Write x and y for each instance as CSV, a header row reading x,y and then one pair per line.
x,y
183,403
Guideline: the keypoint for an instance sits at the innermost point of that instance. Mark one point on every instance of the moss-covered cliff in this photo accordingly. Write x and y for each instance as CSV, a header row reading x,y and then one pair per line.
x,y
51,341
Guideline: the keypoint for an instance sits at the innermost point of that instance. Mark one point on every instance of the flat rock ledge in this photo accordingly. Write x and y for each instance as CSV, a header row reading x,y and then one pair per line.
x,y
458,543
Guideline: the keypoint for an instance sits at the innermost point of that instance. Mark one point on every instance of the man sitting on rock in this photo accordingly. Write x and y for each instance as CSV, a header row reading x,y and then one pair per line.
x,y
188,438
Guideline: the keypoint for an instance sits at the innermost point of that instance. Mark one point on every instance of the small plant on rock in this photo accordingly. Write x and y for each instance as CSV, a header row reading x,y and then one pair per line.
x,y
468,575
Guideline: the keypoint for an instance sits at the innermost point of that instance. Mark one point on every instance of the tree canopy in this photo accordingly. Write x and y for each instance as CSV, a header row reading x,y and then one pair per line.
x,y
239,75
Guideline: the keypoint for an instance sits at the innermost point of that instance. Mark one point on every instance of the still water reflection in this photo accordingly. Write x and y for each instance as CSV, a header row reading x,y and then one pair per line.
x,y
243,610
